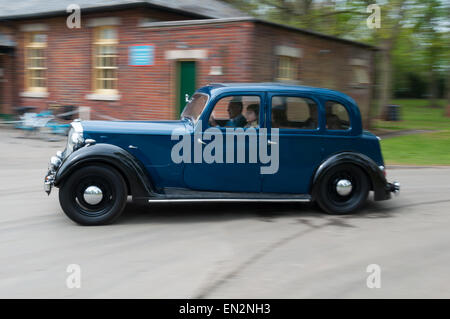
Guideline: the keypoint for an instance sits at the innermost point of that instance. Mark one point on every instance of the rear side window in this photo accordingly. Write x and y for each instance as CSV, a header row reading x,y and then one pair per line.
x,y
337,116
293,112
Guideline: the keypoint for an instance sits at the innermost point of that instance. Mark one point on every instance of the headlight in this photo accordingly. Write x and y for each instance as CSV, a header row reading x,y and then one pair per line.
x,y
55,161
75,138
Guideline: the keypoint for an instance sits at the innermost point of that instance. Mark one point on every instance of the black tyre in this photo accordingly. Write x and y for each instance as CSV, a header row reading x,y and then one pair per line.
x,y
93,195
342,190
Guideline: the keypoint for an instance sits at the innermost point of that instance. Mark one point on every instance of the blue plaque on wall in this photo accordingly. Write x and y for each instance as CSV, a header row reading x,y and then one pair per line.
x,y
141,55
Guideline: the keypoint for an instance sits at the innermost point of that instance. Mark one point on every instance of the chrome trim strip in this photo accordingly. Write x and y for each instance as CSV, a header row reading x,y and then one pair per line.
x,y
199,200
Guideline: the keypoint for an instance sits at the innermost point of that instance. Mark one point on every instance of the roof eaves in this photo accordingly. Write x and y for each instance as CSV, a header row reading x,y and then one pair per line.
x,y
115,7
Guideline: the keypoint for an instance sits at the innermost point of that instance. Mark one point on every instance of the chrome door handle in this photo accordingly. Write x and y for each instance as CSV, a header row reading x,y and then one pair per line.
x,y
200,141
271,142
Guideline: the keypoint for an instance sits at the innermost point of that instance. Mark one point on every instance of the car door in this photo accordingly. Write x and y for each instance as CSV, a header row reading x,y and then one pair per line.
x,y
299,123
231,174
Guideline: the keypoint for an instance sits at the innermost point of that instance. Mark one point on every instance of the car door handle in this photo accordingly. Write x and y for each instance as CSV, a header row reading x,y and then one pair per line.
x,y
200,141
271,142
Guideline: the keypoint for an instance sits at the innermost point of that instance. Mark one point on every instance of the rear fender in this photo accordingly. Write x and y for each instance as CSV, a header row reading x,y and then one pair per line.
x,y
378,181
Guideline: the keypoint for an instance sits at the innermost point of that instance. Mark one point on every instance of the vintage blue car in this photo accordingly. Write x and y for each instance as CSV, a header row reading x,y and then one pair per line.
x,y
234,142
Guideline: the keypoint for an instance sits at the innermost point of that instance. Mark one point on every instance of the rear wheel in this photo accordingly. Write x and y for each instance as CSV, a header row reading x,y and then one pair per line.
x,y
93,195
343,189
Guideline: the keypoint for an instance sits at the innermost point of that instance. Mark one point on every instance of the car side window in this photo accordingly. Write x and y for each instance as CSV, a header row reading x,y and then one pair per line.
x,y
337,116
236,111
293,112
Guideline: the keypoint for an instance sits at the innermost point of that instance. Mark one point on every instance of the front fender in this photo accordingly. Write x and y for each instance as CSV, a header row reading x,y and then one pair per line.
x,y
133,171
375,174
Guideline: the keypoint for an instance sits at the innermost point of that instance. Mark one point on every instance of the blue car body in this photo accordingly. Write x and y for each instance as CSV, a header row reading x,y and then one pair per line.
x,y
301,151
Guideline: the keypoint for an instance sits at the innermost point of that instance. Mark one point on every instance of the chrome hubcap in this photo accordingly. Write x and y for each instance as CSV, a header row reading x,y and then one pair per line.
x,y
344,187
93,195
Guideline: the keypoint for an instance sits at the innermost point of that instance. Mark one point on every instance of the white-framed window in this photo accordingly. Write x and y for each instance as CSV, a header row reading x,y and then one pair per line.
x,y
35,62
360,72
105,64
360,75
287,68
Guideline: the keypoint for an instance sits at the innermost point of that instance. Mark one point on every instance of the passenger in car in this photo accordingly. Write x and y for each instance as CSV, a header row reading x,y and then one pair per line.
x,y
311,122
235,113
252,115
333,122
279,117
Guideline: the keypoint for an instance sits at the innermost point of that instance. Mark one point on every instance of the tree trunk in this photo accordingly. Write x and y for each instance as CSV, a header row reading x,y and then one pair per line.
x,y
447,87
386,79
433,90
386,64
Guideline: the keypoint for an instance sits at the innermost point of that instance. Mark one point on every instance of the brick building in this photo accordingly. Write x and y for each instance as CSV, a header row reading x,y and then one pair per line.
x,y
138,59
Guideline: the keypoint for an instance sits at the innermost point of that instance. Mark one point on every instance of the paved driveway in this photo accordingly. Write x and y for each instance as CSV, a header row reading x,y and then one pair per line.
x,y
221,251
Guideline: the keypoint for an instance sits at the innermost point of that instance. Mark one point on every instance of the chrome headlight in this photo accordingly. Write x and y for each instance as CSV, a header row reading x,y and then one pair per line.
x,y
55,162
75,138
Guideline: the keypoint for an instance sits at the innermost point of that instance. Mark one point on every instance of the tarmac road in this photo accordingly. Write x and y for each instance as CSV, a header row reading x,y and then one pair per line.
x,y
221,250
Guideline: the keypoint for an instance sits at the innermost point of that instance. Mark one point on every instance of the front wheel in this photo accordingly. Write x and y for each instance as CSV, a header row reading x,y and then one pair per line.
x,y
343,189
93,195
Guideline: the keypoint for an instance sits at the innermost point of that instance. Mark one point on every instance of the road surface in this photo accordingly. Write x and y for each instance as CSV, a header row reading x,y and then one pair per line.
x,y
221,250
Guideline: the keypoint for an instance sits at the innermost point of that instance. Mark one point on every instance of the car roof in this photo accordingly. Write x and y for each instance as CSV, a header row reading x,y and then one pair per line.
x,y
219,88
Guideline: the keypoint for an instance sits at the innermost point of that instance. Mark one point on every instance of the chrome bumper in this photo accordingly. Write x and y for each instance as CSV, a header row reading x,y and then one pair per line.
x,y
48,182
394,187
55,163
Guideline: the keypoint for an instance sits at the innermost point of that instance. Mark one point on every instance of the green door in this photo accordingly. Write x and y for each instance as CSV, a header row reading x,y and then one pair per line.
x,y
186,82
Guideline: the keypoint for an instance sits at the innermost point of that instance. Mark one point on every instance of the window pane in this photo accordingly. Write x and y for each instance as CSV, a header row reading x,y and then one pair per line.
x,y
195,107
110,74
361,75
286,68
236,111
38,38
107,50
38,63
35,60
37,82
109,62
337,116
108,34
294,112
105,59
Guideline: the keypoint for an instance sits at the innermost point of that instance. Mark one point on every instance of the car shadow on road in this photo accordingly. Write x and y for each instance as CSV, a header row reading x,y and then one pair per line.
x,y
212,212
219,212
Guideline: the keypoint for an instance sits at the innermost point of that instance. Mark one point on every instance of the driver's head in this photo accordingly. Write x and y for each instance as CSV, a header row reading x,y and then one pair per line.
x,y
234,109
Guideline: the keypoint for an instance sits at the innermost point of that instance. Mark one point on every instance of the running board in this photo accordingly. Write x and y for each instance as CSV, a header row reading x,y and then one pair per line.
x,y
183,195
216,200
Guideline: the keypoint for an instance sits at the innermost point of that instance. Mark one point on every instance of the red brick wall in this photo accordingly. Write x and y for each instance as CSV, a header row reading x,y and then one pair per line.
x,y
7,87
324,62
154,88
